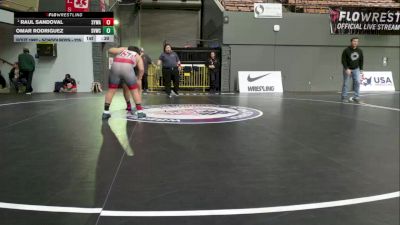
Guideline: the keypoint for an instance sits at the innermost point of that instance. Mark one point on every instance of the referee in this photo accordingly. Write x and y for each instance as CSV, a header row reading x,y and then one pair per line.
x,y
170,69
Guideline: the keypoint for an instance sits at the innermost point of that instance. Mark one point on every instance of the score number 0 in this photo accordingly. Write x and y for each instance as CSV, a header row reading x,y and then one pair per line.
x,y
108,21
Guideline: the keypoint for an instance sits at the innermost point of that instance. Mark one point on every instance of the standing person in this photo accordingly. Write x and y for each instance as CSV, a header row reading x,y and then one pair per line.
x,y
213,70
170,69
123,69
353,63
146,61
126,90
26,64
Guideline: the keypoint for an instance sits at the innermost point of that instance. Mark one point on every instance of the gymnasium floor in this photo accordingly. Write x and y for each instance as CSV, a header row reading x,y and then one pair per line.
x,y
291,165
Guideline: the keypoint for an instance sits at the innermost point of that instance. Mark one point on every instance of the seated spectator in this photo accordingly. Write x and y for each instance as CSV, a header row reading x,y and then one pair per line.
x,y
69,85
16,77
2,81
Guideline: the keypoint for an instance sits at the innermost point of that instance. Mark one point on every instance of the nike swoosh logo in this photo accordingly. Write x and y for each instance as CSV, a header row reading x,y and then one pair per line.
x,y
252,79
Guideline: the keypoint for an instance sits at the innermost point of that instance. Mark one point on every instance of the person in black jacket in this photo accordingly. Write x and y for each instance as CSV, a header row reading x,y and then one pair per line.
x,y
213,71
146,62
353,63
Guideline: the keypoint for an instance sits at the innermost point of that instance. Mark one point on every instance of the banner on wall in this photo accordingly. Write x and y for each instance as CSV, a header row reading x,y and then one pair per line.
x,y
102,5
110,62
350,20
260,81
6,16
268,10
77,5
377,81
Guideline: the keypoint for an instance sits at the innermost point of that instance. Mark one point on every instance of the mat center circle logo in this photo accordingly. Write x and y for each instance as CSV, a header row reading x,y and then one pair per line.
x,y
195,114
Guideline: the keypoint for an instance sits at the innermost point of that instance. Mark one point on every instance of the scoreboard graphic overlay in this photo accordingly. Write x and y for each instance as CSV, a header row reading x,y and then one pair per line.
x,y
64,27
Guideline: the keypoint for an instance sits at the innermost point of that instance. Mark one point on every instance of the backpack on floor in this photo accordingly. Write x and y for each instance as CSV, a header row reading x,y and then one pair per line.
x,y
58,86
96,87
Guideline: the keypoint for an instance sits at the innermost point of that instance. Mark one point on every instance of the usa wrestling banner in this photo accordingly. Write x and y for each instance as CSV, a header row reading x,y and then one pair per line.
x,y
365,21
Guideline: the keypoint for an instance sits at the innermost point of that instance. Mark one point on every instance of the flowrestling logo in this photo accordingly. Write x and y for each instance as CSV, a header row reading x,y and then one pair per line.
x,y
196,114
350,20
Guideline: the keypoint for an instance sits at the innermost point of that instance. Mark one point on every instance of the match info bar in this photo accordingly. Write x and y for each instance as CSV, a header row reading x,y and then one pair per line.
x,y
63,38
64,27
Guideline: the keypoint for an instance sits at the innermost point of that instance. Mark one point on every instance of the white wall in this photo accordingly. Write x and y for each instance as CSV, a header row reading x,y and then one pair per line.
x,y
6,16
73,58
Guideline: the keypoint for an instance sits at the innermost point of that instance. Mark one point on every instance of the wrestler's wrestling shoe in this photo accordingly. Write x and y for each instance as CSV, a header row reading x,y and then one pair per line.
x,y
140,114
105,116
